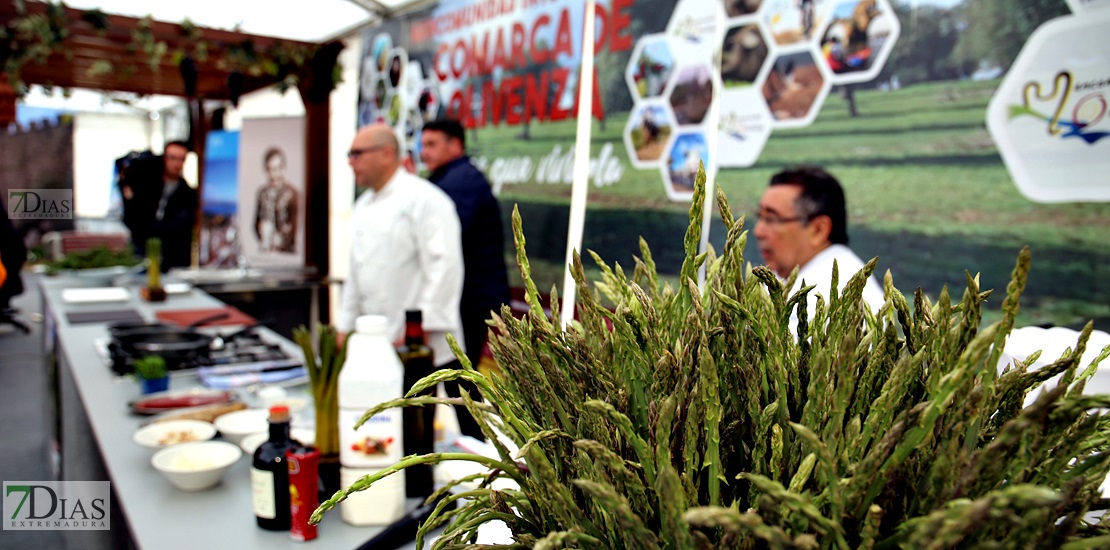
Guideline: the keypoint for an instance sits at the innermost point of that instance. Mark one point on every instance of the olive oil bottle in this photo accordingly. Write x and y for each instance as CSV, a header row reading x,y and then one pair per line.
x,y
270,474
418,422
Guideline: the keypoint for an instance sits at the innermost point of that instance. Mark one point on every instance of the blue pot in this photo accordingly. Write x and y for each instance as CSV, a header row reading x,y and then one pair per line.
x,y
154,386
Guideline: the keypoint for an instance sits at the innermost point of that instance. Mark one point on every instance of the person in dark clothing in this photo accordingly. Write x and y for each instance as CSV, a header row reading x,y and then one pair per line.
x,y
485,278
13,253
157,202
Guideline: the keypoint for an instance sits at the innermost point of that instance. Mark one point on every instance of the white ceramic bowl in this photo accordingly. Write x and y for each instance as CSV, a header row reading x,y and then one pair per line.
x,y
234,426
196,466
173,432
252,441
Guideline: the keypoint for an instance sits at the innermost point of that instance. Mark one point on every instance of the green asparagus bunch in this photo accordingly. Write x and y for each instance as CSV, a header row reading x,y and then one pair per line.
x,y
695,418
323,360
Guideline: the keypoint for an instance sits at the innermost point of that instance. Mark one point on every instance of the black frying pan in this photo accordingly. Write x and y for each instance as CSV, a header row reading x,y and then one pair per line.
x,y
168,341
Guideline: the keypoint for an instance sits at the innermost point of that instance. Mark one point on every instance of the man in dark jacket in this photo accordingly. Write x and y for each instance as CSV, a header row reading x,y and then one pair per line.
x,y
157,202
485,279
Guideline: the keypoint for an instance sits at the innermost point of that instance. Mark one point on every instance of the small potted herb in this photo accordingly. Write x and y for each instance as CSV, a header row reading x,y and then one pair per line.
x,y
152,374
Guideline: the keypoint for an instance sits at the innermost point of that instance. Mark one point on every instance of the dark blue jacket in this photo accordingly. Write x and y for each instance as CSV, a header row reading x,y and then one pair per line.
x,y
486,281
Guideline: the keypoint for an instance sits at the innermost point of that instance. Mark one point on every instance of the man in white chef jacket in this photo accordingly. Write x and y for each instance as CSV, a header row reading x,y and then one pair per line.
x,y
406,247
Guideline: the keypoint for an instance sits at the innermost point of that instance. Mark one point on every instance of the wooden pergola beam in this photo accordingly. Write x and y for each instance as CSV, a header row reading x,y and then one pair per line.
x,y
79,63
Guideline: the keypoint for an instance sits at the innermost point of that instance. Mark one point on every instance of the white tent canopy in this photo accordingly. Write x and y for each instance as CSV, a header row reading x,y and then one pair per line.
x,y
311,21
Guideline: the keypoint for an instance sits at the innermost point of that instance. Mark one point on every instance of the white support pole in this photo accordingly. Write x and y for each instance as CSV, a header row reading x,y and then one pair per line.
x,y
581,172
711,138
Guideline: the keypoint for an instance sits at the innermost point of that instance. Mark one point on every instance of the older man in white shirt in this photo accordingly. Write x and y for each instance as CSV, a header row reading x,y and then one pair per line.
x,y
803,223
406,246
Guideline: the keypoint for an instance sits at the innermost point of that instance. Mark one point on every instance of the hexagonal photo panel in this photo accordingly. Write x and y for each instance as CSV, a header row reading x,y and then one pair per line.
x,y
413,123
691,93
380,49
396,64
380,93
371,85
693,29
858,39
394,108
687,151
428,101
744,54
367,78
741,8
1050,115
650,126
650,67
744,128
794,21
795,89
1083,6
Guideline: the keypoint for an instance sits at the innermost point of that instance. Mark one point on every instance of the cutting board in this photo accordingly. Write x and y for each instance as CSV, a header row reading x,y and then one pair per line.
x,y
104,316
186,317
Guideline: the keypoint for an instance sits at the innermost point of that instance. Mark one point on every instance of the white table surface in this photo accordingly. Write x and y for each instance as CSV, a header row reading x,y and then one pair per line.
x,y
157,515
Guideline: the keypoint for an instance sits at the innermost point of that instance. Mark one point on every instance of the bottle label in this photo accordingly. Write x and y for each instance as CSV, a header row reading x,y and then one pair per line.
x,y
376,444
262,493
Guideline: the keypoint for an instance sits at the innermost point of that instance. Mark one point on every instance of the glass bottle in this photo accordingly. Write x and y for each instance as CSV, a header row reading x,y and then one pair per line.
x,y
419,422
270,474
153,291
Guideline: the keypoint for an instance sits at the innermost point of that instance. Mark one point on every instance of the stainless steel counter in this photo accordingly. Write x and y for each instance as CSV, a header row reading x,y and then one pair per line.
x,y
287,297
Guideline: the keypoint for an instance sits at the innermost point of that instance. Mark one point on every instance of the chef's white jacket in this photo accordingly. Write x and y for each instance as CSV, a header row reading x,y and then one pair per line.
x,y
406,253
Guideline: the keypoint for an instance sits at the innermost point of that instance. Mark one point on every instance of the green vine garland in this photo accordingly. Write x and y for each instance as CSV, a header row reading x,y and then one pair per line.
x,y
32,38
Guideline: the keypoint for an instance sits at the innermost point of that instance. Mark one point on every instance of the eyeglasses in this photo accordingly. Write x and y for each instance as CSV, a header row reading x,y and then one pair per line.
x,y
774,219
355,153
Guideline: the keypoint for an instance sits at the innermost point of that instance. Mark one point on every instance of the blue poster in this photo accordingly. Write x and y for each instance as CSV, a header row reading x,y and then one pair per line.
x,y
219,201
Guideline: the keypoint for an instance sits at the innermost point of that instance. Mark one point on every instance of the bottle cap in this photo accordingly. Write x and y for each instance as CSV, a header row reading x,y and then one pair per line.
x,y
371,324
414,316
279,413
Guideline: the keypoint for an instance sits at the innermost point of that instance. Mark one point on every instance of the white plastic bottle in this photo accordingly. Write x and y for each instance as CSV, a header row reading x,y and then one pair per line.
x,y
372,374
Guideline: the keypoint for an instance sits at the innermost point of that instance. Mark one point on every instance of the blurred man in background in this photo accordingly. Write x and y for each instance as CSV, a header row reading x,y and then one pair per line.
x,y
485,279
803,223
158,203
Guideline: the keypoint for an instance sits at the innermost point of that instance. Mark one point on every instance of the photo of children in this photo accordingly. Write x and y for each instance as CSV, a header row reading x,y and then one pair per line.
x,y
692,94
650,130
742,55
653,69
857,31
794,21
689,150
792,86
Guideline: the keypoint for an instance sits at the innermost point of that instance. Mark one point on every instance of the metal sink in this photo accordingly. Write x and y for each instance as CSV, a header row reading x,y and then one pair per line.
x,y
215,275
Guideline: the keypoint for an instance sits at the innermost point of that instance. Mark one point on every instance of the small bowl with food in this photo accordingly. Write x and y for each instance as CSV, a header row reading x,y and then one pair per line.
x,y
196,466
234,426
173,432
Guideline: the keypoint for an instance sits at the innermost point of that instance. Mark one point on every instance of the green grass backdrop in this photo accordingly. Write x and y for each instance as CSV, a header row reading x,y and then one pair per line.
x,y
927,194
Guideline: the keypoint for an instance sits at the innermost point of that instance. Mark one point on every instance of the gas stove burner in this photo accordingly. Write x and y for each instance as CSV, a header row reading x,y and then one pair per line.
x,y
240,349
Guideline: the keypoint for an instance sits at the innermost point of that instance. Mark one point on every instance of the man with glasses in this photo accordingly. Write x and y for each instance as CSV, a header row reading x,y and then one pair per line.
x,y
406,248
803,223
